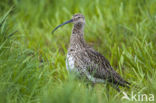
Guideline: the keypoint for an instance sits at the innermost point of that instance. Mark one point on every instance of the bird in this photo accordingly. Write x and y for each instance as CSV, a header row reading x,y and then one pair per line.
x,y
87,62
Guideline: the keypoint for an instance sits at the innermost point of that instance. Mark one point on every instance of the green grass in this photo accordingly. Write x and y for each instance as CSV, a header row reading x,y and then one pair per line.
x,y
32,60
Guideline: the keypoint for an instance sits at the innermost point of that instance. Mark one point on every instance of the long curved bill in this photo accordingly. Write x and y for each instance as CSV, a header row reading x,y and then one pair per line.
x,y
62,25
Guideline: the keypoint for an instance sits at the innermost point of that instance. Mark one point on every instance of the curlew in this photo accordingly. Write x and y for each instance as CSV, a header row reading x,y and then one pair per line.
x,y
89,63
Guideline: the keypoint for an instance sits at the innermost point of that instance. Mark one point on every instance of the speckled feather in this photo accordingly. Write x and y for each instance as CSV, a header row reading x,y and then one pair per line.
x,y
87,61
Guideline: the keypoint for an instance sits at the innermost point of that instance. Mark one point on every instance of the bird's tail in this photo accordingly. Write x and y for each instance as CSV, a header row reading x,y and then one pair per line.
x,y
117,81
116,84
121,82
124,84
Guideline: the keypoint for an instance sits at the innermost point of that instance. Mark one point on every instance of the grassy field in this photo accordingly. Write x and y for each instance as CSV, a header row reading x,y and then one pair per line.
x,y
32,60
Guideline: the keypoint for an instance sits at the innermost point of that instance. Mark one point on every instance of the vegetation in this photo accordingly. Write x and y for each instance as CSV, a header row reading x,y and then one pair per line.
x,y
32,60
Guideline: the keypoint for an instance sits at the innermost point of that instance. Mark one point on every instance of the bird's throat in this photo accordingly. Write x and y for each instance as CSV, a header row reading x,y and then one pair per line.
x,y
78,27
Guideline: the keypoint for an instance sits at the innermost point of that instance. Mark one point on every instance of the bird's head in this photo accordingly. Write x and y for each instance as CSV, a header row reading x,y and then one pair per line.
x,y
76,19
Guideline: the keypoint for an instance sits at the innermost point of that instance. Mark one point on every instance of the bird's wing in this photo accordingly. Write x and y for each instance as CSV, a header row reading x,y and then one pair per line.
x,y
98,66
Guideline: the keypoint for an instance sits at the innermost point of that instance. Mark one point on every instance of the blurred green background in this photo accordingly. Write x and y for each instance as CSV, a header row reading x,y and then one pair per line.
x,y
32,60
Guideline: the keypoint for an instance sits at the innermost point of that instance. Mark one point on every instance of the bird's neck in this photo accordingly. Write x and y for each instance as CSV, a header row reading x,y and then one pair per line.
x,y
77,40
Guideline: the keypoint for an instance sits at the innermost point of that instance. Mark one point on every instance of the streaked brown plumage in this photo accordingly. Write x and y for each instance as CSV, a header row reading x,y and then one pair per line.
x,y
86,61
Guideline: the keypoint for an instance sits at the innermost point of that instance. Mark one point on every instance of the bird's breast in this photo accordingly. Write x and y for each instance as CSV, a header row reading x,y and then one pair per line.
x,y
70,62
